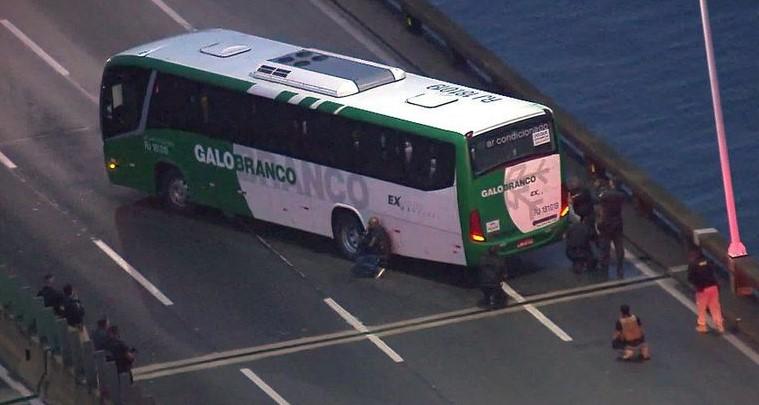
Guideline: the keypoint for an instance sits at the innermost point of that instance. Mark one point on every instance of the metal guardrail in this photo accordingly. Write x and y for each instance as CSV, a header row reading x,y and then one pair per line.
x,y
693,231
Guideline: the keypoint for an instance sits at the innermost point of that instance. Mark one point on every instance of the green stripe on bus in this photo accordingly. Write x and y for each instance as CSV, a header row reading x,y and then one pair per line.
x,y
285,96
329,107
306,102
181,70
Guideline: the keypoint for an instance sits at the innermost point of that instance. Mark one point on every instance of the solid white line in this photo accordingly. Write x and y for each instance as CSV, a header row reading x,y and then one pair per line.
x,y
537,314
355,33
17,386
264,386
284,259
353,321
132,272
34,47
7,162
173,14
669,286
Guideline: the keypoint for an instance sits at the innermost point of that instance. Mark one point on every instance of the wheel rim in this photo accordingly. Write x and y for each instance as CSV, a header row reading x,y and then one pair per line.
x,y
178,192
351,236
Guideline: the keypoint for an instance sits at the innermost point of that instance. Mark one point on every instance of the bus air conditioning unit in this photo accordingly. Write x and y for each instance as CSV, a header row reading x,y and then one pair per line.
x,y
326,73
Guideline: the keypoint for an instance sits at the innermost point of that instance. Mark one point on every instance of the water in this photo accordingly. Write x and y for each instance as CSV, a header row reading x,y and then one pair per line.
x,y
636,74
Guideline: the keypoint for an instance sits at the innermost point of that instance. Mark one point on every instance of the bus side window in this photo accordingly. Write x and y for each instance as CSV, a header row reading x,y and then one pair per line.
x,y
176,104
122,95
222,112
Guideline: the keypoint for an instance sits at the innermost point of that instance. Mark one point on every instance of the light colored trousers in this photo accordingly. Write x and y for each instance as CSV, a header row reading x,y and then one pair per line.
x,y
709,298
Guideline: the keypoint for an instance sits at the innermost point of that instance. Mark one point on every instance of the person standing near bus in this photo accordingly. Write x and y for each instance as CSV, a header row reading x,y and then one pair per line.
x,y
492,270
701,274
609,225
578,247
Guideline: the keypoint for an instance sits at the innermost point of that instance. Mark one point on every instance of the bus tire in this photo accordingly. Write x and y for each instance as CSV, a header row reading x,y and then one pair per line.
x,y
174,192
347,230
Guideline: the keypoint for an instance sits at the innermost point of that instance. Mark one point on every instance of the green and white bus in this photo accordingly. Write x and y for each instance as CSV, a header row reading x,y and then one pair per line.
x,y
322,142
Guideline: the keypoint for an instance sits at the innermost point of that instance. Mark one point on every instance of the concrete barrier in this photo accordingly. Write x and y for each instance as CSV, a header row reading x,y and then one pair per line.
x,y
422,17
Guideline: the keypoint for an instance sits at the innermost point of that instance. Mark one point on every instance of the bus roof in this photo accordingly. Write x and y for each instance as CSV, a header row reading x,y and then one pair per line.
x,y
274,67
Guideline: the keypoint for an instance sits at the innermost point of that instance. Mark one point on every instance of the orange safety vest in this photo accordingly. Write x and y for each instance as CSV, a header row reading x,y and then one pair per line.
x,y
631,331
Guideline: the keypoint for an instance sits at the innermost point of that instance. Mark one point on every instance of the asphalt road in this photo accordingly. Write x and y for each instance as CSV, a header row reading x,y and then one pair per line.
x,y
257,312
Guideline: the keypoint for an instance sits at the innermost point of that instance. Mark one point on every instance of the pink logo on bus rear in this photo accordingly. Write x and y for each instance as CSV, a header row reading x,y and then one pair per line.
x,y
532,192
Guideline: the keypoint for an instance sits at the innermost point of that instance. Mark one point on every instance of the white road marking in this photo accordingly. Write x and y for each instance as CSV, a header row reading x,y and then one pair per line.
x,y
249,354
6,162
35,48
133,272
284,259
47,58
17,386
537,314
264,386
173,14
678,269
355,33
669,286
353,321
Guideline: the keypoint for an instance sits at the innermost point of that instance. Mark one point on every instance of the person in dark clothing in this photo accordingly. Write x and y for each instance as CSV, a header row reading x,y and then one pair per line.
x,y
578,247
374,250
629,330
73,310
492,271
119,352
609,226
100,335
51,296
702,275
582,203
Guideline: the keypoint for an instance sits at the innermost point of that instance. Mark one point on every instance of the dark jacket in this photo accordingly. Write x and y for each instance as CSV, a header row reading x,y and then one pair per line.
x,y
701,274
99,339
376,242
610,219
120,354
73,311
579,236
492,270
582,201
52,298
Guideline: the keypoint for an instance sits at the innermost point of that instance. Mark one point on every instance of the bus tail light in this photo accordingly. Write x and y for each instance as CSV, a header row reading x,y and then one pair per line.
x,y
564,200
475,227
112,164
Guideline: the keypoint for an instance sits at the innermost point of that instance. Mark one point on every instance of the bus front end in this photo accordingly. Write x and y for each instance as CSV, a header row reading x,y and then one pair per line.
x,y
516,197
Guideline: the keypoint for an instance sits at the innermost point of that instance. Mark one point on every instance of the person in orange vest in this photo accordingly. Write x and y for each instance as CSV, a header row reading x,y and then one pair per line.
x,y
629,330
701,275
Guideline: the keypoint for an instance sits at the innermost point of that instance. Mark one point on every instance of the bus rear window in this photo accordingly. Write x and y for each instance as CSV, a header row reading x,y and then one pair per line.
x,y
122,94
511,143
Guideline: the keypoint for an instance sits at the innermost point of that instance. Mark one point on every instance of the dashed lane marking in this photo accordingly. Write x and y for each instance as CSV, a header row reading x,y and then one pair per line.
x,y
353,321
173,14
47,58
7,162
264,386
536,313
133,272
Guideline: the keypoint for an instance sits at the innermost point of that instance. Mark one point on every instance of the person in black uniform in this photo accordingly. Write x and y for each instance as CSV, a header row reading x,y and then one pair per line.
x,y
582,203
492,270
609,225
374,250
578,248
51,296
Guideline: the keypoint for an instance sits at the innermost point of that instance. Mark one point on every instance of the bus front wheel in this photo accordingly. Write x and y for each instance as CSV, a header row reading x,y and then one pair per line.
x,y
174,191
348,232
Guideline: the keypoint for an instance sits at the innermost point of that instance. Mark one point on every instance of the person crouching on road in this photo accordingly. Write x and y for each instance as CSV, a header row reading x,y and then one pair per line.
x,y
374,250
492,270
701,275
582,203
629,330
578,247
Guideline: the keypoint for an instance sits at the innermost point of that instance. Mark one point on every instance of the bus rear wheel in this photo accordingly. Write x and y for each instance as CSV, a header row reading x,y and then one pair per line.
x,y
175,193
348,232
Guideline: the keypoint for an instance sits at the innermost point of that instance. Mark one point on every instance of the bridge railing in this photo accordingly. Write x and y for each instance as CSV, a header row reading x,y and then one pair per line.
x,y
423,18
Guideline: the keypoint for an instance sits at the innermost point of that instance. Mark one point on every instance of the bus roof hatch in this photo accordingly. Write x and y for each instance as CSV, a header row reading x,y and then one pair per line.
x,y
327,73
